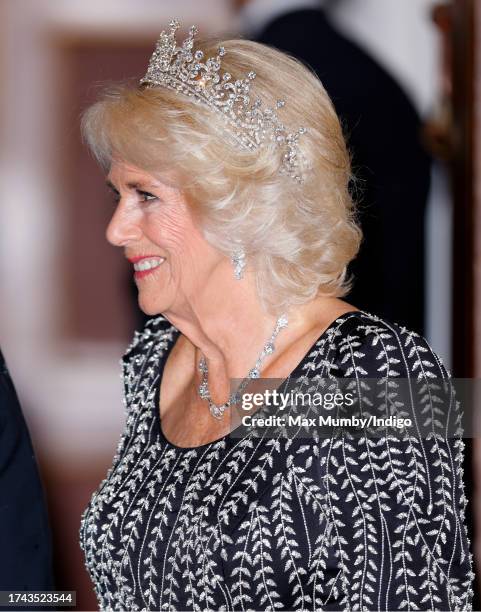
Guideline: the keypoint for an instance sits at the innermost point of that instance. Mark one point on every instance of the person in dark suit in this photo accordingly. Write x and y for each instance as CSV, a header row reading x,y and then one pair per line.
x,y
382,127
25,559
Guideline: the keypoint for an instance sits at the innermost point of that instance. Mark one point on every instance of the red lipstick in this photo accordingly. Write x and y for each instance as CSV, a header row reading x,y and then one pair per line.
x,y
141,273
139,257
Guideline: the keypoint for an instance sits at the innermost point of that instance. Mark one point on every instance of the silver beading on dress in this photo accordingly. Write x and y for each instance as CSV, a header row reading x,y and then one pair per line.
x,y
187,71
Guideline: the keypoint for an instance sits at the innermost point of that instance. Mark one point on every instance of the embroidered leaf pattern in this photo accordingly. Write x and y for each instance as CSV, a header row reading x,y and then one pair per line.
x,y
341,522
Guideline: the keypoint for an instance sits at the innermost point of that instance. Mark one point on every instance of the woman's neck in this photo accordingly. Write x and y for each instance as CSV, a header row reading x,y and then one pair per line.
x,y
229,328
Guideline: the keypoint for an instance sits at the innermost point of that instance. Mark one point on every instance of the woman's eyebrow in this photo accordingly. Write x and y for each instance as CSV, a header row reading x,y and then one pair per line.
x,y
132,185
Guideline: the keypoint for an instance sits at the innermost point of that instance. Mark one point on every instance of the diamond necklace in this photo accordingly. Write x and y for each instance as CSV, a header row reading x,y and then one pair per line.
x,y
216,410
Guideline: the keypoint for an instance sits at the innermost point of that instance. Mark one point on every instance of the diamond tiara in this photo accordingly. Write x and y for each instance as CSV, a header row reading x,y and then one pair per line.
x,y
183,69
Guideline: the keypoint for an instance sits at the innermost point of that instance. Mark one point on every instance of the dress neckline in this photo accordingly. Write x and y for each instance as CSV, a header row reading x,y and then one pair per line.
x,y
297,371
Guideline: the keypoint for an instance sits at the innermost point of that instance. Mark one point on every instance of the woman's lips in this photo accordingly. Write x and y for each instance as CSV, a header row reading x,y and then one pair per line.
x,y
146,265
144,273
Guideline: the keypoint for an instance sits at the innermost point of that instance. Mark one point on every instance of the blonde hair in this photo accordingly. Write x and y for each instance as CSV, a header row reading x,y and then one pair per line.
x,y
298,238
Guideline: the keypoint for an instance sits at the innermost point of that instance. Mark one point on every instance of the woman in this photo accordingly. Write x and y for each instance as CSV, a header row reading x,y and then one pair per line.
x,y
231,175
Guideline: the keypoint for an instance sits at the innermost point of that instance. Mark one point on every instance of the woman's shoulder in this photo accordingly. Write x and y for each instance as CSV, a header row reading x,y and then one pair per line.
x,y
362,343
369,324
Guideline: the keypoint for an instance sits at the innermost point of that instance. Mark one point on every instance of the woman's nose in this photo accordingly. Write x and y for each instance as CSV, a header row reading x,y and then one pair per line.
x,y
123,227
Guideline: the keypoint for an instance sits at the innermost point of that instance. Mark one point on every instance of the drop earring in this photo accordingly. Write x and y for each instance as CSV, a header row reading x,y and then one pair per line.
x,y
238,259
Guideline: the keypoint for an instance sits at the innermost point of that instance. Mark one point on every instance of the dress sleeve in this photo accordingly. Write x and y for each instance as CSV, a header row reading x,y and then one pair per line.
x,y
395,500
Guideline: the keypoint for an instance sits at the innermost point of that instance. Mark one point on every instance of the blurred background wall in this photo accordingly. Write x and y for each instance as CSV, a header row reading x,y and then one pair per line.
x,y
66,309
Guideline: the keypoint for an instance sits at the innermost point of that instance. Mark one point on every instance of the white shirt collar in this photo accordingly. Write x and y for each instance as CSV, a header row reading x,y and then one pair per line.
x,y
255,15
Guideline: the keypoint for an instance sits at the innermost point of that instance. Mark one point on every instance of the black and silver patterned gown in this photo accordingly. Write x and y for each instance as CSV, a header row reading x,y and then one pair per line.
x,y
276,524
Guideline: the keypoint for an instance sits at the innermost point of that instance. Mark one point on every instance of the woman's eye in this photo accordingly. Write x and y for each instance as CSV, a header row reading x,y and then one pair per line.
x,y
145,196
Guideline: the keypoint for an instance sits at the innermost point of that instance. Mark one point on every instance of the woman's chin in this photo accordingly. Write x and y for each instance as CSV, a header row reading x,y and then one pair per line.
x,y
151,307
